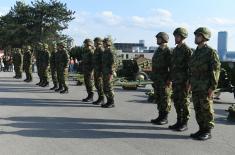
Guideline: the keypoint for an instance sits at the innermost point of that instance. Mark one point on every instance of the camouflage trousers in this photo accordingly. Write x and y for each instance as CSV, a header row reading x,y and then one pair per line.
x,y
88,80
107,86
28,72
39,69
98,83
62,74
18,70
181,101
54,76
162,97
44,73
203,106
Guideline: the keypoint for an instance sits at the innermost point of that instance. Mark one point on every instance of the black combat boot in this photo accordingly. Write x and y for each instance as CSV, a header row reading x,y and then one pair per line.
x,y
205,135
39,83
99,101
196,134
109,104
55,87
30,79
162,119
89,98
18,77
183,126
45,84
176,125
65,91
59,89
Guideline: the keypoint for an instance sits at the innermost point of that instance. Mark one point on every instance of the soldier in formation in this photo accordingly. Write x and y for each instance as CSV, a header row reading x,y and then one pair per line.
x,y
27,63
97,63
62,60
161,70
108,64
45,57
18,61
53,68
38,55
180,79
87,62
205,70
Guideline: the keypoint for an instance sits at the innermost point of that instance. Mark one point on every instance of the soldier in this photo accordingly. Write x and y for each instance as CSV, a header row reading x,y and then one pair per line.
x,y
38,55
87,58
205,71
62,60
107,72
97,62
44,65
180,79
27,64
53,68
17,61
161,78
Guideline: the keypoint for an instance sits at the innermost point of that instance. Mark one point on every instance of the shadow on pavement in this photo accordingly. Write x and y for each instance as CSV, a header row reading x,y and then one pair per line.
x,y
43,102
87,128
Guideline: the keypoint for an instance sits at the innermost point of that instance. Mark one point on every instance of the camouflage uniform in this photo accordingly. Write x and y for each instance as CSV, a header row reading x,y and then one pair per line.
x,y
53,68
38,55
180,80
97,63
62,60
45,55
160,76
87,57
27,64
205,70
17,61
108,58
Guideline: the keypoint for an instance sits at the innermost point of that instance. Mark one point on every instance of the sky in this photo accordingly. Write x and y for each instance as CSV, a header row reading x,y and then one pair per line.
x,y
134,20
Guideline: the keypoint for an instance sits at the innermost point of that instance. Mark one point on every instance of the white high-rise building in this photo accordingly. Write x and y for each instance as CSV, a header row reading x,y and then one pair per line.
x,y
222,44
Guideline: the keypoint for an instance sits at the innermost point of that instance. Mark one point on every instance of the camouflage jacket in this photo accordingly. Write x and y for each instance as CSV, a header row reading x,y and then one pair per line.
x,y
97,60
53,60
180,64
45,59
17,59
87,60
161,63
108,62
205,69
38,54
61,59
27,59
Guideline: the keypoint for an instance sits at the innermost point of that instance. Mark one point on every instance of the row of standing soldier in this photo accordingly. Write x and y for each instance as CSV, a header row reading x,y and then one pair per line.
x,y
180,70
184,71
98,64
58,62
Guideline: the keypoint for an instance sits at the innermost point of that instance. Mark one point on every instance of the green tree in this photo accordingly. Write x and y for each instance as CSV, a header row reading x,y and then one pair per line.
x,y
40,21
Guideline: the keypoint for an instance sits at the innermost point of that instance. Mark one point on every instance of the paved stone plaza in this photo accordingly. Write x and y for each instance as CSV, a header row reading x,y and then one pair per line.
x,y
36,121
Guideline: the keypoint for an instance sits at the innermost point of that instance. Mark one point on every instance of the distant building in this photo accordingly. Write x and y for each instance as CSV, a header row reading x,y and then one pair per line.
x,y
131,47
223,52
222,44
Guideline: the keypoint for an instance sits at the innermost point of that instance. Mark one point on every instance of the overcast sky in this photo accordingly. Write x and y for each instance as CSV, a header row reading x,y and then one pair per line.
x,y
133,20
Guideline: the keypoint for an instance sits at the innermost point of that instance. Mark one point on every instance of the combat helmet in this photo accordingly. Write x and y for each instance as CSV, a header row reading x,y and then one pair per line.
x,y
164,36
88,42
181,31
205,32
107,41
98,40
